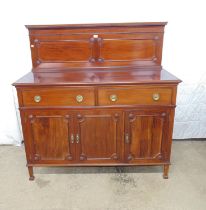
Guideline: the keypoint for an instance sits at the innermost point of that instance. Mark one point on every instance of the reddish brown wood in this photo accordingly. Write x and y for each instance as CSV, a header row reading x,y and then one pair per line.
x,y
58,96
100,136
93,25
97,77
90,98
146,131
31,176
165,171
51,136
98,45
135,95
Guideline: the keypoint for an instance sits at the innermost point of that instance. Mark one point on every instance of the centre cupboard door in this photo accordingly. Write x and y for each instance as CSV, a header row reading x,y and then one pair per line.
x,y
99,136
146,136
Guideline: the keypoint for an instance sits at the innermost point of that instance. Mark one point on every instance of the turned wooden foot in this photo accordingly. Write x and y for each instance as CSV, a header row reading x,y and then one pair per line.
x,y
31,175
165,171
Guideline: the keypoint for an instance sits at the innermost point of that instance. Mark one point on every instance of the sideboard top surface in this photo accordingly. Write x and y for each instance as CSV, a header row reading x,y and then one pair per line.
x,y
97,78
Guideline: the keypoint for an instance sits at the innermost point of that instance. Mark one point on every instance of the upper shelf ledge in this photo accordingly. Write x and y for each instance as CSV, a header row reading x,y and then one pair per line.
x,y
96,25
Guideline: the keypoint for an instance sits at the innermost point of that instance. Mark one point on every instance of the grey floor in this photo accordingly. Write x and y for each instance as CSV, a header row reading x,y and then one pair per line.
x,y
106,188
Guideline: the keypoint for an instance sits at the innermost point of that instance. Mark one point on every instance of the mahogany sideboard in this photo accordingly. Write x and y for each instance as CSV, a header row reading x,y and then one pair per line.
x,y
97,96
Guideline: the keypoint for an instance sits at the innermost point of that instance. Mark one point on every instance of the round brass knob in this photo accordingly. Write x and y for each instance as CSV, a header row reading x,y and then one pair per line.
x,y
37,99
156,96
79,98
113,98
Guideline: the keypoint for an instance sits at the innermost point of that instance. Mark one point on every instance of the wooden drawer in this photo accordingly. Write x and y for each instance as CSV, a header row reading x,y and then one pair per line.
x,y
59,97
135,95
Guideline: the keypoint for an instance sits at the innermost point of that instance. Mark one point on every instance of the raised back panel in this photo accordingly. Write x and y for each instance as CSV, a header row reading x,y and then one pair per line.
x,y
62,47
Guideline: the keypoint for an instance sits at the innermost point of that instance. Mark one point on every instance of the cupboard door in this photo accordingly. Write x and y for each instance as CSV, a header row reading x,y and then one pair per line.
x,y
145,135
99,136
51,136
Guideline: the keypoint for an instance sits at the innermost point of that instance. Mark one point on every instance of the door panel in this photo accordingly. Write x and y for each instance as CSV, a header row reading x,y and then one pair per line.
x,y
62,51
128,50
99,136
50,135
145,133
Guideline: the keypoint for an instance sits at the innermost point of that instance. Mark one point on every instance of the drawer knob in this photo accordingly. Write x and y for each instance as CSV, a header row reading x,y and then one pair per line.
x,y
113,98
156,96
79,98
37,99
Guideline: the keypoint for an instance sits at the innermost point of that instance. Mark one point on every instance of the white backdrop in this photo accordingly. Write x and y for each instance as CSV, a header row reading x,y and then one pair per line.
x,y
184,49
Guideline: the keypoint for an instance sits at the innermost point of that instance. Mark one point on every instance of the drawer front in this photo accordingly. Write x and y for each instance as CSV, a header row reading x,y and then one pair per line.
x,y
59,97
135,95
